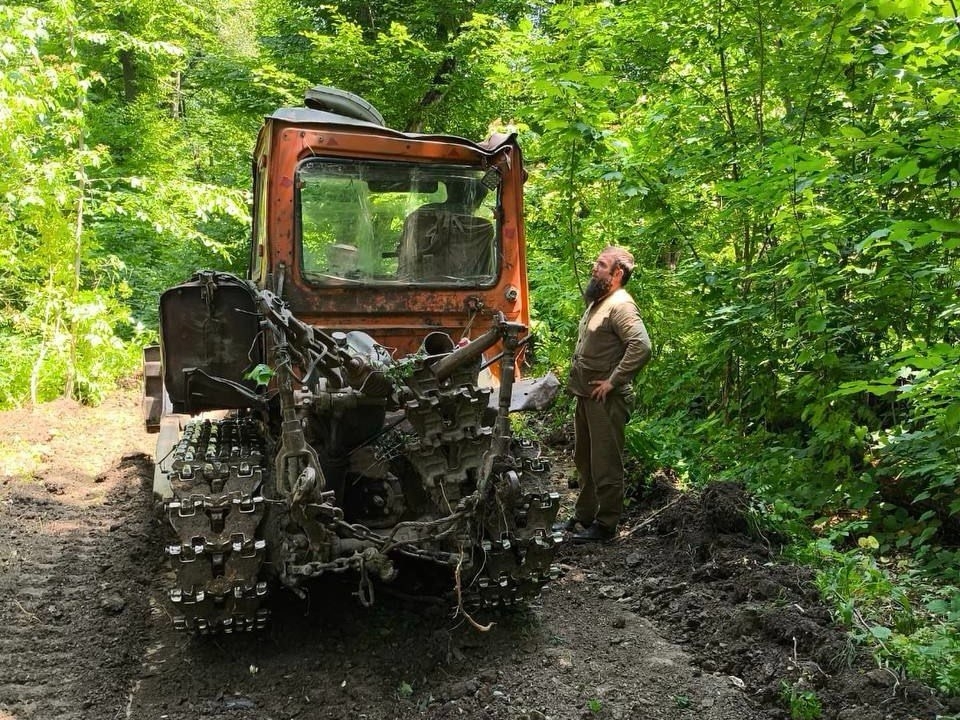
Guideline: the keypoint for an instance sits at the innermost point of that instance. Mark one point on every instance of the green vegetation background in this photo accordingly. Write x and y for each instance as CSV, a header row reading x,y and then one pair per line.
x,y
788,177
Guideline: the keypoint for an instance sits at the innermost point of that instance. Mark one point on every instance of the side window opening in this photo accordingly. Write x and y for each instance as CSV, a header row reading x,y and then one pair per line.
x,y
259,228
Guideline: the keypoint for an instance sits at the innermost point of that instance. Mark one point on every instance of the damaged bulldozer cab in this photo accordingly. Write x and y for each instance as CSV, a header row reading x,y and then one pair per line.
x,y
345,408
358,226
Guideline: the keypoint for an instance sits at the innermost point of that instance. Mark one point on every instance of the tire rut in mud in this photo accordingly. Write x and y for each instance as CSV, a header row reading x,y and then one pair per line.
x,y
75,579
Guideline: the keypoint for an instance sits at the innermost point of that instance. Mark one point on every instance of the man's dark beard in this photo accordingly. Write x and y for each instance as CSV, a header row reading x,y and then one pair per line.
x,y
596,289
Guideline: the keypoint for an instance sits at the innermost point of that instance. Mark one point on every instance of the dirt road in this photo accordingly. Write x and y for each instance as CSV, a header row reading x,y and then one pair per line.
x,y
688,616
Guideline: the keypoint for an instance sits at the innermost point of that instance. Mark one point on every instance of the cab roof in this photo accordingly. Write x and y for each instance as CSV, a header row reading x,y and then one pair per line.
x,y
308,116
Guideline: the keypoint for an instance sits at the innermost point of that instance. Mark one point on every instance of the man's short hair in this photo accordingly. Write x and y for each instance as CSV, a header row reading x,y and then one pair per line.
x,y
623,259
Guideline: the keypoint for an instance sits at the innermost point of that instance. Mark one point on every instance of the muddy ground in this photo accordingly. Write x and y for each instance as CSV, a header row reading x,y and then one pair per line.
x,y
689,614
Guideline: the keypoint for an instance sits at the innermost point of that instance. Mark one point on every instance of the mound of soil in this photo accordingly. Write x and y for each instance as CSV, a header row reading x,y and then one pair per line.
x,y
724,594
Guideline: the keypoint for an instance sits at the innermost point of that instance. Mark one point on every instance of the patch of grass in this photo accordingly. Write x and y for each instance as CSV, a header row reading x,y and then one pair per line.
x,y
889,605
21,459
802,704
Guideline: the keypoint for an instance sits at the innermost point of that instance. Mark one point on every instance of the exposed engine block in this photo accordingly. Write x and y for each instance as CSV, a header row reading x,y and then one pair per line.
x,y
351,467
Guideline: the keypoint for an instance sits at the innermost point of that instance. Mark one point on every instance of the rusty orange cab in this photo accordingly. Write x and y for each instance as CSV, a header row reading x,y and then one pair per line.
x,y
360,227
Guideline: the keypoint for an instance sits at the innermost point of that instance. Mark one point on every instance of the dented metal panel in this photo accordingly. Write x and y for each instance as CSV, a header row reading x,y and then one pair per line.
x,y
397,314
209,339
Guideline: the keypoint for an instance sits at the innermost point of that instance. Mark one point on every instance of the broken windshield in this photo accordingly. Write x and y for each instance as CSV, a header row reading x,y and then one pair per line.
x,y
375,222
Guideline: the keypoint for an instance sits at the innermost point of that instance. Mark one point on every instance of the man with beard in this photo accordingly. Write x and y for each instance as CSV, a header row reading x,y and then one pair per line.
x,y
612,346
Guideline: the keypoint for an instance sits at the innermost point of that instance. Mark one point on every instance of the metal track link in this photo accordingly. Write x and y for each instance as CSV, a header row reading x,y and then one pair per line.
x,y
516,568
216,510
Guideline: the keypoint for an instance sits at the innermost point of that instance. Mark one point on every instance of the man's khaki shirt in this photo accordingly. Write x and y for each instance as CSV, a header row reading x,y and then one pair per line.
x,y
612,344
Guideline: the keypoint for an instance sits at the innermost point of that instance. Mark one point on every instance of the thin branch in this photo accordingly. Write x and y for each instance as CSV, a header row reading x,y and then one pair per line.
x,y
725,84
574,245
650,518
794,199
761,59
460,609
26,612
438,89
673,219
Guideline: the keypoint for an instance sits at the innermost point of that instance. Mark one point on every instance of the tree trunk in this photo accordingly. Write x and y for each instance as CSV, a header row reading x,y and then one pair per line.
x,y
438,88
128,65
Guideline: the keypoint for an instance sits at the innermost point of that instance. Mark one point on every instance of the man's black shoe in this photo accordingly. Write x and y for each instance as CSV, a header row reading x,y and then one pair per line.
x,y
595,533
570,525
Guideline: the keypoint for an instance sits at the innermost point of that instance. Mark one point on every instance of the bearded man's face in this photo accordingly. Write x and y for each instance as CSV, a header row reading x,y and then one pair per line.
x,y
597,288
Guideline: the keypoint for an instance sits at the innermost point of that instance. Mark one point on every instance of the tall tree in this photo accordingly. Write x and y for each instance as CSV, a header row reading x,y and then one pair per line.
x,y
127,166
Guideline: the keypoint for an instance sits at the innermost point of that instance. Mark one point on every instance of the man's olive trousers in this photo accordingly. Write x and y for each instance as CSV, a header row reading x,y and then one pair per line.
x,y
598,455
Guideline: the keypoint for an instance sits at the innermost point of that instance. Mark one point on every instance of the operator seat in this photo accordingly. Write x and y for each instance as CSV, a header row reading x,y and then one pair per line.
x,y
438,242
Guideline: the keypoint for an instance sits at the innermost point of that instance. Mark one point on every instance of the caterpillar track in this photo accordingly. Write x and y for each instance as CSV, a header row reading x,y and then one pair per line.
x,y
215,513
217,517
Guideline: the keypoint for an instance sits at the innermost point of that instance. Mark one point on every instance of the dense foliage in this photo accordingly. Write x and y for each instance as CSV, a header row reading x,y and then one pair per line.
x,y
787,176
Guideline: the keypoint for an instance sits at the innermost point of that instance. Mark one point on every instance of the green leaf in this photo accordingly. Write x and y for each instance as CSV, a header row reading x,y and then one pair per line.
x,y
921,241
914,8
908,169
882,232
260,374
860,386
944,225
817,324
926,362
944,97
905,228
951,417
880,632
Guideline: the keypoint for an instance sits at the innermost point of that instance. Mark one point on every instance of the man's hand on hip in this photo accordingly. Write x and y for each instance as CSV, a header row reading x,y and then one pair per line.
x,y
600,389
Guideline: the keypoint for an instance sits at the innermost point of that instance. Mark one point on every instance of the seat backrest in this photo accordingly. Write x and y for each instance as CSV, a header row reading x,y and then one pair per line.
x,y
439,243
